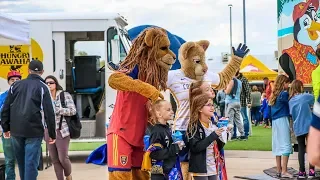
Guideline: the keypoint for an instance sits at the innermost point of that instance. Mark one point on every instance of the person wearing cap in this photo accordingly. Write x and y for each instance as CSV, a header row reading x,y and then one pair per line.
x,y
12,77
27,111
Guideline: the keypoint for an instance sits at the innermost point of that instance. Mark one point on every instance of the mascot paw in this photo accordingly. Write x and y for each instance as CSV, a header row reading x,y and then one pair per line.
x,y
156,96
241,51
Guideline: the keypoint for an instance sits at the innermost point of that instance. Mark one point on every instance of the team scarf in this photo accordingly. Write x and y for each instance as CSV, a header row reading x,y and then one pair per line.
x,y
155,166
220,162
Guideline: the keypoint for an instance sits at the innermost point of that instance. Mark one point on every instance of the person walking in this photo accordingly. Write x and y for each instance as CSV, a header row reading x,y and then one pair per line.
x,y
9,158
255,105
27,103
221,96
245,99
300,110
233,91
59,150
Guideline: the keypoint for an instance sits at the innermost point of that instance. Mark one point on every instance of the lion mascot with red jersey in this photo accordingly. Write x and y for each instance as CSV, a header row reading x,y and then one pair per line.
x,y
147,66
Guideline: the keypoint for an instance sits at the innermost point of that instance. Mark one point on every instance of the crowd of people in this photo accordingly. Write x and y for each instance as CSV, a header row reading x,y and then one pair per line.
x,y
31,110
276,106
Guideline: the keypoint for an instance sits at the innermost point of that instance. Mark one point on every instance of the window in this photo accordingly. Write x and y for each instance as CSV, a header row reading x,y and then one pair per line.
x,y
113,34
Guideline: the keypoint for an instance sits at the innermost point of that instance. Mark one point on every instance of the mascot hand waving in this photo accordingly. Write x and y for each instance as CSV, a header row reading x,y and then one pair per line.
x,y
148,63
194,68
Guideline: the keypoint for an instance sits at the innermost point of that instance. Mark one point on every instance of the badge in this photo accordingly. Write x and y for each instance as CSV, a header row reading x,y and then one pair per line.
x,y
123,160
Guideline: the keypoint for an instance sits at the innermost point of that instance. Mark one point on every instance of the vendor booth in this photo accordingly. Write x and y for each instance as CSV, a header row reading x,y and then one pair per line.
x,y
255,70
14,31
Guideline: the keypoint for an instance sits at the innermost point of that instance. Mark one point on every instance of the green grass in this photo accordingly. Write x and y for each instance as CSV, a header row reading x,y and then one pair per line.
x,y
74,146
259,141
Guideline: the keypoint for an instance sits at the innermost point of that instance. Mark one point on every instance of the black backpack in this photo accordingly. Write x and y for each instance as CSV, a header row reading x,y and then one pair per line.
x,y
73,122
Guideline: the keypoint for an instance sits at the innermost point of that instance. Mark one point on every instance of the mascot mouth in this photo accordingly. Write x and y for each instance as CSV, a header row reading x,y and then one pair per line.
x,y
166,62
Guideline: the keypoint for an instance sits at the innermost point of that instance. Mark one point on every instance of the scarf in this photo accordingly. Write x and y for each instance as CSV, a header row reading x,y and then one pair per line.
x,y
220,162
156,166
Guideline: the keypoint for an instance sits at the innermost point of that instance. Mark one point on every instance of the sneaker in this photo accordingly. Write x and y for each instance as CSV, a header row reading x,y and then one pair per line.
x,y
312,174
243,138
233,139
302,174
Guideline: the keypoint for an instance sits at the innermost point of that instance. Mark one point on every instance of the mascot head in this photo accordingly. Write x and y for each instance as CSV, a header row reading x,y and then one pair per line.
x,y
150,52
192,59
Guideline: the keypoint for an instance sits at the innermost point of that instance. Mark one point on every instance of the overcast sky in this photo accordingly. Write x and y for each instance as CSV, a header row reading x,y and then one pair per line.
x,y
190,19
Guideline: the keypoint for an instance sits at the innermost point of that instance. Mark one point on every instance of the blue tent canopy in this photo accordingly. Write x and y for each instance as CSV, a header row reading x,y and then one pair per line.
x,y
175,41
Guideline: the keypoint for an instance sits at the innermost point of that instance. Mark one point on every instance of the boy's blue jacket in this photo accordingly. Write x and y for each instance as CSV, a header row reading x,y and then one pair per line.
x,y
3,97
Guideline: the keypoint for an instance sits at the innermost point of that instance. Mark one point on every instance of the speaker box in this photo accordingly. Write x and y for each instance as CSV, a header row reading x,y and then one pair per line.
x,y
86,72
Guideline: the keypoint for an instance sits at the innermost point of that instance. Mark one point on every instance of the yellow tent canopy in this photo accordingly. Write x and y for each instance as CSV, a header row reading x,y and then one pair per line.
x,y
254,70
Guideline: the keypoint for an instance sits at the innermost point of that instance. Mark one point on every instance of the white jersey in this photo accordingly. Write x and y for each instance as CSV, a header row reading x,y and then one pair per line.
x,y
179,85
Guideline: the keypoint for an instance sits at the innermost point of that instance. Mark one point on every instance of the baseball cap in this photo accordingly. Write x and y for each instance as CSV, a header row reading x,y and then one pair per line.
x,y
36,65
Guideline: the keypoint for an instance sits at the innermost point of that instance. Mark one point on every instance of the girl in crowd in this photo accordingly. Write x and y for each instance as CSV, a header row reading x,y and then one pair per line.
x,y
203,136
281,142
255,105
162,147
300,109
59,150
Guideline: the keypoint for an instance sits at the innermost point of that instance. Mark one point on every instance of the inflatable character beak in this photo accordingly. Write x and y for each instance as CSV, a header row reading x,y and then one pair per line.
x,y
313,30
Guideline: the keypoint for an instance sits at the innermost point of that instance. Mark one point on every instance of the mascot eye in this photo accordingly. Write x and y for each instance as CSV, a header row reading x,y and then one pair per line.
x,y
164,48
196,61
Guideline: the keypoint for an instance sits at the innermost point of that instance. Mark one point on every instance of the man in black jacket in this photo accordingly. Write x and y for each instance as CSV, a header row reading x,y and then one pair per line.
x,y
27,103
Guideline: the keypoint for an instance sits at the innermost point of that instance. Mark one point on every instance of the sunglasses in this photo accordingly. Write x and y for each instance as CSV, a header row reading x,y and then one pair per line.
x,y
49,83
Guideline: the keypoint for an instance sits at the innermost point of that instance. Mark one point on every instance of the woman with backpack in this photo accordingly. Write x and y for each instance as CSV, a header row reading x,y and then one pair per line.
x,y
59,150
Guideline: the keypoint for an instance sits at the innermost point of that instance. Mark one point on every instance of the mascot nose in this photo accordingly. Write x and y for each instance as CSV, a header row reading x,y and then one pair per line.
x,y
205,69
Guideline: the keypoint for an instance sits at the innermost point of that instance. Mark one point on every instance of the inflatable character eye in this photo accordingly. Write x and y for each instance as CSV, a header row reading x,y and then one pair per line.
x,y
306,22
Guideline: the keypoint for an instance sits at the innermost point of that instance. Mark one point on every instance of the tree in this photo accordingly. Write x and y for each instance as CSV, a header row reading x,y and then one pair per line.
x,y
102,63
280,4
80,53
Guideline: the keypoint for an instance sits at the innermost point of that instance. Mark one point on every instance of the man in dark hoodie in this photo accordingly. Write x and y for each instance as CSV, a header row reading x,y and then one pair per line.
x,y
27,103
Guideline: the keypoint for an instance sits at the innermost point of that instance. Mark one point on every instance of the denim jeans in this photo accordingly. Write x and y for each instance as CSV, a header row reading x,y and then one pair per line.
x,y
27,152
245,118
9,158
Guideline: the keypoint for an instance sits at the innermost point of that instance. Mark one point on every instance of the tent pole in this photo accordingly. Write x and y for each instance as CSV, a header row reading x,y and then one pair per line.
x,y
30,52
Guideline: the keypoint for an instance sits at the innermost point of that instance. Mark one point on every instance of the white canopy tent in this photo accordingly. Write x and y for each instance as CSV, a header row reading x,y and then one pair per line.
x,y
14,31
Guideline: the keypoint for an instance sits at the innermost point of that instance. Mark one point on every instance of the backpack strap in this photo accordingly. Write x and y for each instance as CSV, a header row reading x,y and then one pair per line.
x,y
62,100
63,104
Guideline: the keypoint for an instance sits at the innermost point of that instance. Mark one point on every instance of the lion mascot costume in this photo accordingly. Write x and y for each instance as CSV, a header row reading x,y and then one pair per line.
x,y
193,68
147,66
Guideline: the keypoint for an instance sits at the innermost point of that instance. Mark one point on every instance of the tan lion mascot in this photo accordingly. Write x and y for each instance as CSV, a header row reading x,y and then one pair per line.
x,y
193,68
148,63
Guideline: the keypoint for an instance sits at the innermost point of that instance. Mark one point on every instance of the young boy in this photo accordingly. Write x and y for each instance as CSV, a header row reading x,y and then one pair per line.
x,y
12,76
265,111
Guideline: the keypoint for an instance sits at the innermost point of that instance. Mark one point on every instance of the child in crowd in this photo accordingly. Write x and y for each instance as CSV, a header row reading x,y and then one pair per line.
x,y
203,137
162,150
200,87
281,139
300,109
264,110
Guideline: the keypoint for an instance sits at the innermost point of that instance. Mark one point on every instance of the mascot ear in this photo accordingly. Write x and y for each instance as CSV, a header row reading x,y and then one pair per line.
x,y
150,35
185,48
204,44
